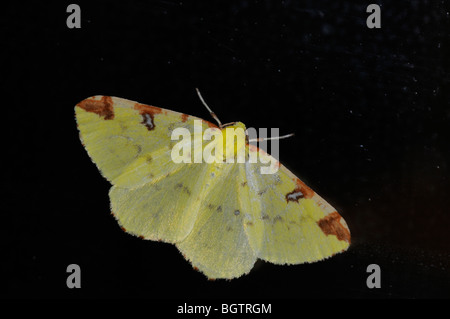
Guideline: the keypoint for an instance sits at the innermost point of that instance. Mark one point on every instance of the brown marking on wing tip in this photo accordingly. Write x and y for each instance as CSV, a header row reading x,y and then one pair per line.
x,y
148,114
308,192
112,213
300,191
103,108
331,225
211,279
184,117
195,268
141,237
123,228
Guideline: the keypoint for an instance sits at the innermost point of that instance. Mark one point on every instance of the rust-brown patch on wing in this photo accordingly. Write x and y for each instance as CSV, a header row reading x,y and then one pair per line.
x,y
300,191
143,108
253,148
148,113
331,225
184,117
103,107
212,125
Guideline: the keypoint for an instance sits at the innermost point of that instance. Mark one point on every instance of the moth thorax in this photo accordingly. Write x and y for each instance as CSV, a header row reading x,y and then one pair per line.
x,y
234,139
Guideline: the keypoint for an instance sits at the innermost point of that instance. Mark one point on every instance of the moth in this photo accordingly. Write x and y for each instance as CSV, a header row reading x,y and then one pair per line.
x,y
221,216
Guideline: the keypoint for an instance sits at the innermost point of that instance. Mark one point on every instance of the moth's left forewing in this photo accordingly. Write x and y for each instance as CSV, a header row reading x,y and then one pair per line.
x,y
290,223
130,142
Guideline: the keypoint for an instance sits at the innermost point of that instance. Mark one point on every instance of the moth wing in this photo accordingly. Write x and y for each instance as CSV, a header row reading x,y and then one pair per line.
x,y
218,245
291,224
164,209
130,142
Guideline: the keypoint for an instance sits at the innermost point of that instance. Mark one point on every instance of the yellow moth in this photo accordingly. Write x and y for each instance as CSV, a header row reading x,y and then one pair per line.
x,y
221,216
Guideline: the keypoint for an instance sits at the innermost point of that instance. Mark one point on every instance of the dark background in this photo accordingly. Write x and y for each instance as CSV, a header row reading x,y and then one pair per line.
x,y
369,107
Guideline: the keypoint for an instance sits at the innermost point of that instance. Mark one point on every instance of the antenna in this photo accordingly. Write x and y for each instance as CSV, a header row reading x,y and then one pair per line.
x,y
214,116
260,139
